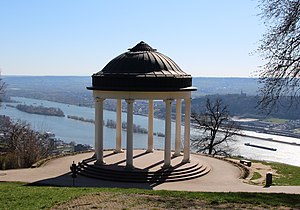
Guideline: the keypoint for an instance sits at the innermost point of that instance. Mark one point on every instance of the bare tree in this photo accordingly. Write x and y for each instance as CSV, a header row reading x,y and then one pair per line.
x,y
217,129
280,47
23,146
2,87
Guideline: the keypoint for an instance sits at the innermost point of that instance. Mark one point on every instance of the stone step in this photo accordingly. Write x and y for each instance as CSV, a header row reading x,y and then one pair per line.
x,y
123,171
162,175
137,174
147,180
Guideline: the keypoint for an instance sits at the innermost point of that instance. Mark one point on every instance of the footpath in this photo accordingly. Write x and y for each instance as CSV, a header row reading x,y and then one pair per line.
x,y
223,177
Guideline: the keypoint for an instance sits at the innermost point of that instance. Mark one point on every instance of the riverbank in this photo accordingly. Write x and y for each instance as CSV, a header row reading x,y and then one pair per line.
x,y
270,139
257,130
41,110
83,133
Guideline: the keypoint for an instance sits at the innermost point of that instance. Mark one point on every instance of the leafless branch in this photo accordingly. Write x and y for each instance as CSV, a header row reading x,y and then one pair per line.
x,y
280,48
217,129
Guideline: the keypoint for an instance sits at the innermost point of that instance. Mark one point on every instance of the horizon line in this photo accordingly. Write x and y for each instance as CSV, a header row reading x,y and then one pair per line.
x,y
26,75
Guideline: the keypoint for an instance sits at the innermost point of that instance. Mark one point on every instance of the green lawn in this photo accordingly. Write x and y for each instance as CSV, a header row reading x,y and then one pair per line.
x,y
22,196
288,175
256,175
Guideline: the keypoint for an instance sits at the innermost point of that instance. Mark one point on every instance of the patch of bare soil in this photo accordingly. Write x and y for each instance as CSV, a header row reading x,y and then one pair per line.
x,y
106,200
262,170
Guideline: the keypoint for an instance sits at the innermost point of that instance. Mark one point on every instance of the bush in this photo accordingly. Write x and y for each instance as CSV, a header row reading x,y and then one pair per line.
x,y
9,161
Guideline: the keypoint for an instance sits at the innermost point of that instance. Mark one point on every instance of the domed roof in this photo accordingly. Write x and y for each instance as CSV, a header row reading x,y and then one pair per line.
x,y
142,68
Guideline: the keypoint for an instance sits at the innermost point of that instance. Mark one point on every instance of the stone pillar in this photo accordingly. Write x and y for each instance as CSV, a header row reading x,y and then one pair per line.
x,y
119,127
178,128
167,152
187,115
150,126
99,130
129,145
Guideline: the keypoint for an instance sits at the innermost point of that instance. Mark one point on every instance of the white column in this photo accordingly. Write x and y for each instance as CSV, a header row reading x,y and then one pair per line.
x,y
167,152
187,115
99,130
119,127
178,128
129,145
150,126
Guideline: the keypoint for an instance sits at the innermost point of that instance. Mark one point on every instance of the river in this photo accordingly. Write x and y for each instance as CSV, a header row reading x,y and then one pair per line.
x,y
83,132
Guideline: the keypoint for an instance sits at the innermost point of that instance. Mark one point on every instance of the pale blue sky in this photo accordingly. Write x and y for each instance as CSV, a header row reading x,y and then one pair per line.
x,y
79,37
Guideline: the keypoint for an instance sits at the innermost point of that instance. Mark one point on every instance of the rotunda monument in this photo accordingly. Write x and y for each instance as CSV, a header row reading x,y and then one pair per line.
x,y
143,73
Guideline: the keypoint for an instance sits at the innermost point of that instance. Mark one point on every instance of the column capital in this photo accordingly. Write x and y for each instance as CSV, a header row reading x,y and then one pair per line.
x,y
129,100
99,99
168,100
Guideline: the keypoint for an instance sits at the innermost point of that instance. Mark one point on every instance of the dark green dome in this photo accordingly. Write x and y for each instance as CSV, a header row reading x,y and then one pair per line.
x,y
142,68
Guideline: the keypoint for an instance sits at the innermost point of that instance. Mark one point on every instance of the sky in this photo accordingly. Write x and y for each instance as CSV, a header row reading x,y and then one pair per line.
x,y
206,38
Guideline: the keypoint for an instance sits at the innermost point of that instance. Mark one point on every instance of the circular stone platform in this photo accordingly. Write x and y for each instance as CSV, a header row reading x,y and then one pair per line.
x,y
148,168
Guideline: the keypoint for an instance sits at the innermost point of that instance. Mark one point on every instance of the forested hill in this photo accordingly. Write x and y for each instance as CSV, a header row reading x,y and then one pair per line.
x,y
72,89
238,93
246,106
64,89
224,85
78,84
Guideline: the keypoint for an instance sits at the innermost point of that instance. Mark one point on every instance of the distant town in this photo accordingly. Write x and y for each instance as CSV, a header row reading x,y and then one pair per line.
x,y
241,103
58,146
276,126
21,146
239,94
